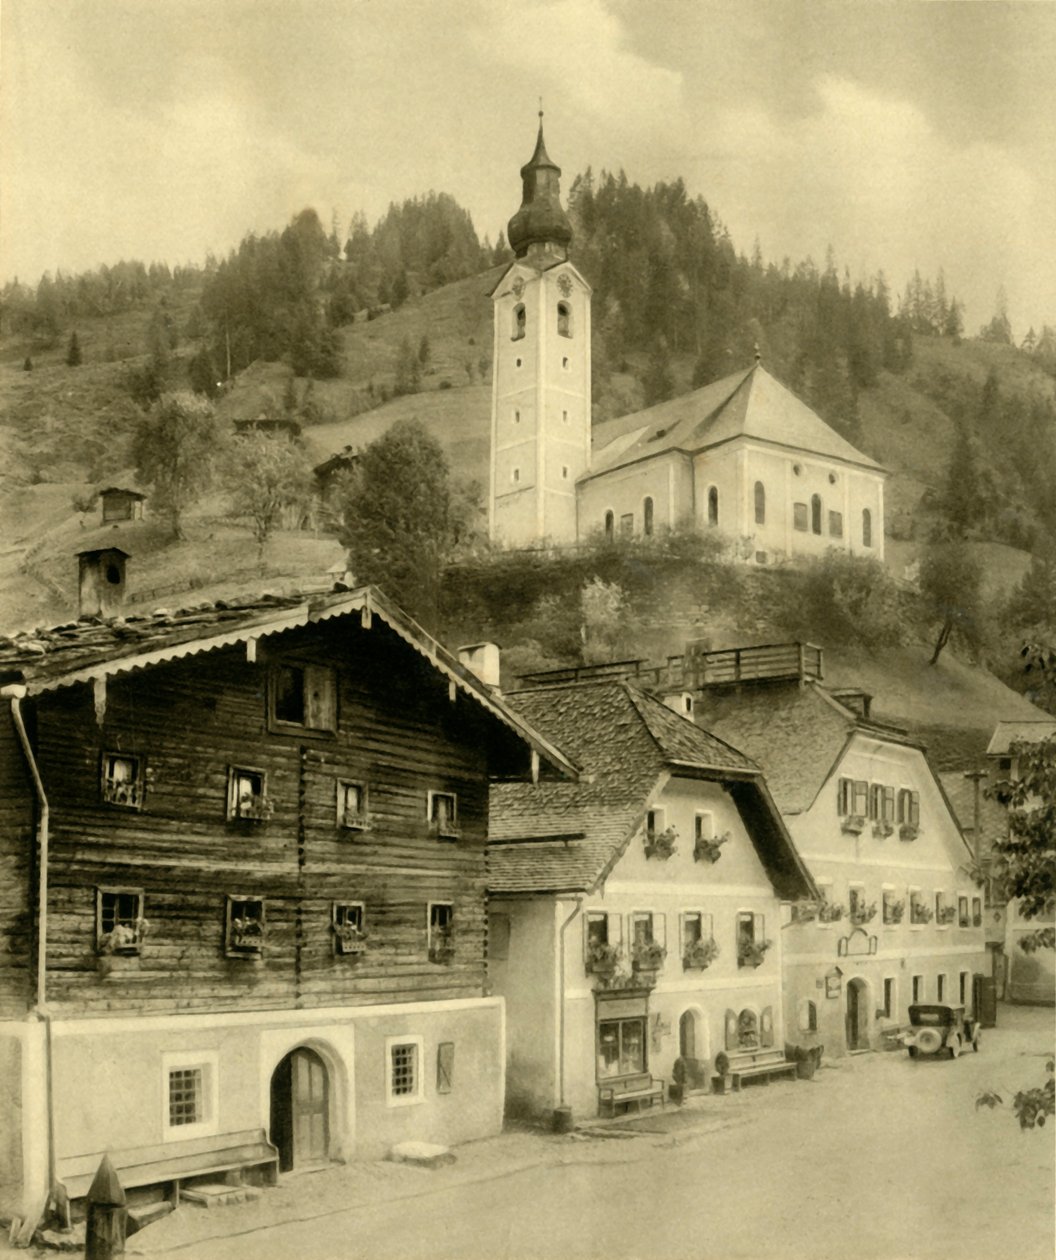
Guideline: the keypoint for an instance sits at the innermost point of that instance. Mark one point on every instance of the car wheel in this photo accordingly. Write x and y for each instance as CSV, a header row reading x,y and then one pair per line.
x,y
929,1040
913,1052
955,1045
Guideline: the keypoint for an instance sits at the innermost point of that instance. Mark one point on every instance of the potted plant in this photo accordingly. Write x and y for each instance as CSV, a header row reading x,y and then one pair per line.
x,y
752,953
247,935
123,938
946,915
660,844
349,939
830,912
805,911
700,954
862,914
893,911
603,959
920,913
803,1058
908,831
721,1081
883,829
648,956
853,824
709,848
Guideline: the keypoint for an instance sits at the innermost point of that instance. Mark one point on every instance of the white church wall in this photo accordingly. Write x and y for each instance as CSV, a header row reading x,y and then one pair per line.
x,y
666,480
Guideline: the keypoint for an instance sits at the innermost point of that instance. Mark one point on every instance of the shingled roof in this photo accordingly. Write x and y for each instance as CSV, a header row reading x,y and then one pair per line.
x,y
94,648
566,837
1007,733
795,732
749,404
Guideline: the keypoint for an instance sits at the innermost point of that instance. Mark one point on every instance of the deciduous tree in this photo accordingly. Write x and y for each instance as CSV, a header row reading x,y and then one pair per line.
x,y
268,479
950,583
175,450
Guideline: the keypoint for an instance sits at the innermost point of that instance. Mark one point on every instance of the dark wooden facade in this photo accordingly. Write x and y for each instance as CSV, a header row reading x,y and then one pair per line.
x,y
401,729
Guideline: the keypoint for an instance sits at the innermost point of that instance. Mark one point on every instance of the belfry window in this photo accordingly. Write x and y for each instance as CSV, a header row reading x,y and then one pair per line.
x,y
760,503
713,506
564,319
815,513
520,322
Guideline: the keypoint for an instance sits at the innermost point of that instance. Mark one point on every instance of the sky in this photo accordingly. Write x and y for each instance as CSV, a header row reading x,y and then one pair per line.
x,y
910,134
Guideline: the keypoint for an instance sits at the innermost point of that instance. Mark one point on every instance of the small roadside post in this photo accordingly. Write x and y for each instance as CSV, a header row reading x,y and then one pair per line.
x,y
107,1217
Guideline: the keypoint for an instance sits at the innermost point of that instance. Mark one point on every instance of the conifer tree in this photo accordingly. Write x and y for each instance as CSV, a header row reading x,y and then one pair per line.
x,y
73,352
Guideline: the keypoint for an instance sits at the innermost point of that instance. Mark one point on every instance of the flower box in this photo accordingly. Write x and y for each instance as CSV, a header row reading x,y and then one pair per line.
x,y
709,849
853,825
920,914
602,959
830,912
660,844
700,955
751,953
247,936
894,911
648,956
123,939
349,940
946,915
126,792
883,829
861,915
908,831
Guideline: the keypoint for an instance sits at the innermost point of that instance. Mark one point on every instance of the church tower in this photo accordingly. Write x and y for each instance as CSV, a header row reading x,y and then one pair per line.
x,y
540,403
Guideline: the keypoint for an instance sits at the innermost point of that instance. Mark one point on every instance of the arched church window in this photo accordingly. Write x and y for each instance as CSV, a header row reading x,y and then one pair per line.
x,y
815,513
760,504
867,528
564,319
610,525
713,505
647,517
520,321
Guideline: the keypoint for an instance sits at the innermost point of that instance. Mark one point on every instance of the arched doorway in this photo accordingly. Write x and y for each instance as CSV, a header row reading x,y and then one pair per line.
x,y
300,1110
857,1014
687,1036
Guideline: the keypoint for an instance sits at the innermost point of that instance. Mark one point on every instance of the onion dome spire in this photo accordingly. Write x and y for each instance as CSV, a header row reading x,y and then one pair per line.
x,y
541,219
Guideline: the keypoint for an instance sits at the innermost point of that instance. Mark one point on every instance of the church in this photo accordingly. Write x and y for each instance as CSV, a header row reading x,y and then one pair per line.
x,y
743,455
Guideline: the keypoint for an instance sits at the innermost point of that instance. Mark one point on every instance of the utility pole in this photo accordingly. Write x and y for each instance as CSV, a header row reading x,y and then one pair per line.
x,y
977,777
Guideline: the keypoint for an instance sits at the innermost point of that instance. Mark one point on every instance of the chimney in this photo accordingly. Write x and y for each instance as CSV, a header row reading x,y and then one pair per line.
x,y
101,581
681,702
483,660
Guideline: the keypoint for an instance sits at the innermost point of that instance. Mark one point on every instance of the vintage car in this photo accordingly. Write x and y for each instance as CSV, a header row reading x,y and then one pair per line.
x,y
935,1028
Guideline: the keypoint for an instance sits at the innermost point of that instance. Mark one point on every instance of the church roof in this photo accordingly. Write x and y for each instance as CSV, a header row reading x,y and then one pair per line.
x,y
544,838
750,404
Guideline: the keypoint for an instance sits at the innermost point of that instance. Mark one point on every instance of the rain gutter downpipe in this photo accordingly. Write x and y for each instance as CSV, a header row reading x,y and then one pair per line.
x,y
561,1001
16,693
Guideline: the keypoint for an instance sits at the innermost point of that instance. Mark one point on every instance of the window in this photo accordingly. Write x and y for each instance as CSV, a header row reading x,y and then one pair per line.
x,y
919,913
352,806
516,417
564,319
610,526
642,928
918,989
647,517
963,918
867,528
800,517
751,944
564,472
889,997
621,1047
943,913
855,901
697,927
760,503
893,908
441,931
515,475
876,800
940,991
852,797
713,505
119,921
517,362
601,941
654,822
186,1096
977,912
964,990
520,324
909,807
808,1016
835,524
815,513
443,815
704,825
304,696
122,780
564,363
887,807
347,923
860,799
403,1070
244,932
246,798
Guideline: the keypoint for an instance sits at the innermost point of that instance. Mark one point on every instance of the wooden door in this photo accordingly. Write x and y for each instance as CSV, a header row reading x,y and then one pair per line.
x,y
311,1118
852,1016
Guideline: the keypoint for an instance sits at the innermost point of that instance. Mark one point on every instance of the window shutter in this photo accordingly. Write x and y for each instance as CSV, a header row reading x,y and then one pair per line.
x,y
758,928
707,927
660,929
586,938
445,1066
766,1027
914,808
731,1030
320,700
615,929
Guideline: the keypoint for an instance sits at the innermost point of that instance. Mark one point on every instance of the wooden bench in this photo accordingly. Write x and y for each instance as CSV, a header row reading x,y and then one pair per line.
x,y
753,1065
169,1163
631,1089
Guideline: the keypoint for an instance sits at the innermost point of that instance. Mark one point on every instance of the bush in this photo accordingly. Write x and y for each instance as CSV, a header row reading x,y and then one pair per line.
x,y
852,597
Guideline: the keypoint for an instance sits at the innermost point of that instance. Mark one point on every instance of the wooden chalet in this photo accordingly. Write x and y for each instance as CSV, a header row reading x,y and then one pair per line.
x,y
121,503
242,905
